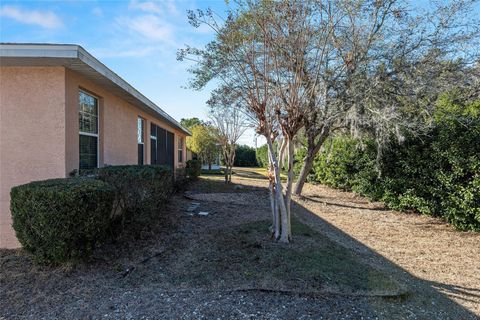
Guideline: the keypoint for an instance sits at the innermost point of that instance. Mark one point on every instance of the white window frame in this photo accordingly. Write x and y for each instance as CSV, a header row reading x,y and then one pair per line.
x,y
97,135
143,129
144,126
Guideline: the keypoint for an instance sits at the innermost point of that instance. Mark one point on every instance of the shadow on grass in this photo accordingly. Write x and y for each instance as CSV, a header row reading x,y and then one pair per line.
x,y
244,257
330,265
214,252
313,199
252,173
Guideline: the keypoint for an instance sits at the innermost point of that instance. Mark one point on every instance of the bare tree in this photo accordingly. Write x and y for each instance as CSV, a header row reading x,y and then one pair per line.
x,y
258,53
230,124
382,66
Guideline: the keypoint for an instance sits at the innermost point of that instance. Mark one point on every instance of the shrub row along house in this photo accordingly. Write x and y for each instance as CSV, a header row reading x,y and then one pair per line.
x,y
62,110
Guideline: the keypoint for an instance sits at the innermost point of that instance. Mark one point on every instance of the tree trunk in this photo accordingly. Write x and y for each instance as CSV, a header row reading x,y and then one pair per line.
x,y
232,161
226,160
284,235
312,150
273,200
288,193
281,154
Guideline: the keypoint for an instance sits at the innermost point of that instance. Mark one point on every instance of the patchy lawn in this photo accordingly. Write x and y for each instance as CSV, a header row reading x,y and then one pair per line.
x,y
243,257
224,265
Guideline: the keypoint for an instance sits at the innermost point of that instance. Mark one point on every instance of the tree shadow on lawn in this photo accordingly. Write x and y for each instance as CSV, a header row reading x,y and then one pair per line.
x,y
313,199
245,172
232,251
226,255
331,266
432,299
243,257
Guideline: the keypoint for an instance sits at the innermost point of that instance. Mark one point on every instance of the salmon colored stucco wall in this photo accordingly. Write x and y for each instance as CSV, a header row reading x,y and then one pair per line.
x,y
32,139
39,137
117,123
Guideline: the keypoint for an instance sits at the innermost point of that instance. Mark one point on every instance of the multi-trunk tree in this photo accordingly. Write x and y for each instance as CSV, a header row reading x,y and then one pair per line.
x,y
258,53
316,67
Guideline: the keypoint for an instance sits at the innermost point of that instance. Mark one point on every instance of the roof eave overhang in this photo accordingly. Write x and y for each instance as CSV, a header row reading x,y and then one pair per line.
x,y
76,58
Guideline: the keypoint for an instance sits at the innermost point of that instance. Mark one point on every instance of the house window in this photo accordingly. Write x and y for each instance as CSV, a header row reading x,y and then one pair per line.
x,y
88,124
180,149
141,140
162,146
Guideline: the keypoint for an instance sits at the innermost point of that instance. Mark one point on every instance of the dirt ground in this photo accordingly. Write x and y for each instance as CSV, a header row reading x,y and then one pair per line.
x,y
427,248
130,279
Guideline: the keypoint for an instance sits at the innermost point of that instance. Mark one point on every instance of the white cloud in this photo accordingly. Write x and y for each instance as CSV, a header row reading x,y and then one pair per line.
x,y
172,8
148,26
45,19
154,6
97,11
148,6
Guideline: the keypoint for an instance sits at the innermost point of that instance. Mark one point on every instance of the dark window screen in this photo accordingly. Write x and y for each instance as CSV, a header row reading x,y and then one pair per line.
x,y
140,154
161,146
88,152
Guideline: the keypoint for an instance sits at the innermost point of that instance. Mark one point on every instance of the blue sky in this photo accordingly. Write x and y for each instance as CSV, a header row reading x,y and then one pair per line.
x,y
136,39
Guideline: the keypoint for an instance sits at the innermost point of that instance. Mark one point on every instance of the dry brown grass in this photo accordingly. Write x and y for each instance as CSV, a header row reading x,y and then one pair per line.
x,y
348,247
427,248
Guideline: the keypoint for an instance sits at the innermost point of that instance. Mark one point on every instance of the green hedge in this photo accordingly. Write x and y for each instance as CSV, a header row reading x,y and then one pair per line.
x,y
63,219
437,174
140,190
193,169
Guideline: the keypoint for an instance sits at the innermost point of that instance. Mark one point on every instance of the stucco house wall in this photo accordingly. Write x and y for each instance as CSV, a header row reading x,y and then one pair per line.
x,y
117,127
32,132
39,130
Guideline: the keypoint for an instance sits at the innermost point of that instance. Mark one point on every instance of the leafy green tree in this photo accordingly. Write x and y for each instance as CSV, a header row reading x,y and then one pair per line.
x,y
245,156
203,143
262,156
189,123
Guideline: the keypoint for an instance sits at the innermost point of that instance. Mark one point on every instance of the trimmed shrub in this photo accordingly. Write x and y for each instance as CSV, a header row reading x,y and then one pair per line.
x,y
140,190
180,179
62,220
437,174
193,169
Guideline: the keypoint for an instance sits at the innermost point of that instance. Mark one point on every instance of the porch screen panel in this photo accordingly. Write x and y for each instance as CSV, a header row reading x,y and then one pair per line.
x,y
161,146
153,144
170,150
